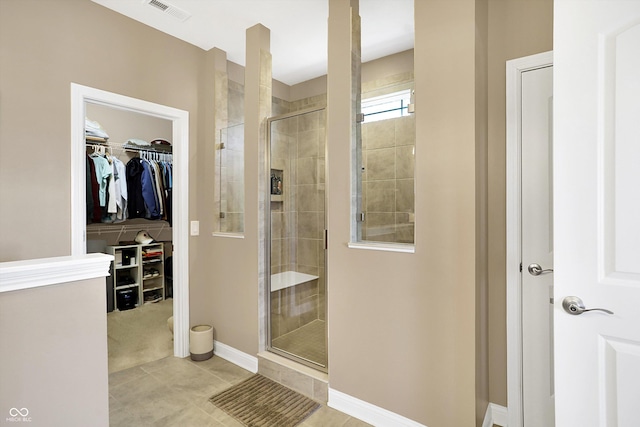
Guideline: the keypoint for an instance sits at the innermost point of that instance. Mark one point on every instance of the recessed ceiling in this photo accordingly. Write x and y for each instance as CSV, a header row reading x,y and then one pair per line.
x,y
298,28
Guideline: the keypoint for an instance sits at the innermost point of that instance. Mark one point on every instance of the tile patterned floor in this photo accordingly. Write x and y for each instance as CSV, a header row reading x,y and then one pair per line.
x,y
175,392
308,342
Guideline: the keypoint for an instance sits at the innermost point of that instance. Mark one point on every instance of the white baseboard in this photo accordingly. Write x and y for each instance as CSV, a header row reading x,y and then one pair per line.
x,y
237,357
367,412
495,414
352,406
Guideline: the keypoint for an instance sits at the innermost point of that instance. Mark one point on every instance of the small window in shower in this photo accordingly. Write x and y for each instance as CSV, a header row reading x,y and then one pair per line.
x,y
389,106
384,165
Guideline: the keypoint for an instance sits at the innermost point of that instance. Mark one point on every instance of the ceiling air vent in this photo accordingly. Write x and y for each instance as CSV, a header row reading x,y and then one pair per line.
x,y
169,9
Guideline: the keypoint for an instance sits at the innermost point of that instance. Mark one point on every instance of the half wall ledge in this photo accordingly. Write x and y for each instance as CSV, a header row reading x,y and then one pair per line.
x,y
33,273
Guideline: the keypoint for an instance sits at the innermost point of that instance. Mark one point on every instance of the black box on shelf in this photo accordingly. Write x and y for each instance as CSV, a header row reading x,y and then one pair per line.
x,y
127,298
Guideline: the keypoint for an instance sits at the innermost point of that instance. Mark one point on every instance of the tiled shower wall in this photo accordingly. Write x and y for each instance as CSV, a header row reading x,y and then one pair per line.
x,y
231,163
388,180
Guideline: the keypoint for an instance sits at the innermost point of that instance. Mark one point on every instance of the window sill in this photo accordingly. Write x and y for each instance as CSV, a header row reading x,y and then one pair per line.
x,y
381,246
228,235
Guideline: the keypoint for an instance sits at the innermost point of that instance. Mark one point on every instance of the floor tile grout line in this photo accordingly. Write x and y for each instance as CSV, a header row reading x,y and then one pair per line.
x,y
211,373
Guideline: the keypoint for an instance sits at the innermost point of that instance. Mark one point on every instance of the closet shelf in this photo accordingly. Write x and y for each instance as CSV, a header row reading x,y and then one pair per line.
x,y
96,139
147,286
156,148
132,285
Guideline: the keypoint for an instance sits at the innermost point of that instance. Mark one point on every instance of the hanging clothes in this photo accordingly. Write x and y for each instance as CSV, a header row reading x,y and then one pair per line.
x,y
149,191
103,172
90,188
122,193
112,206
157,175
165,168
136,208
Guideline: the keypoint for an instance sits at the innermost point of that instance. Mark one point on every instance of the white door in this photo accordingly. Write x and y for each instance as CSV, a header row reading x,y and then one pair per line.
x,y
537,247
597,211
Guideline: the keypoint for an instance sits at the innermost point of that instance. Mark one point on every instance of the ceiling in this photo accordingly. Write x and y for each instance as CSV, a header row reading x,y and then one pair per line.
x,y
298,28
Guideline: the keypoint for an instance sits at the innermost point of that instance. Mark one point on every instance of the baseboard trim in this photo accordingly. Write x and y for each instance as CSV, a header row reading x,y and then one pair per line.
x,y
495,414
367,412
372,414
237,357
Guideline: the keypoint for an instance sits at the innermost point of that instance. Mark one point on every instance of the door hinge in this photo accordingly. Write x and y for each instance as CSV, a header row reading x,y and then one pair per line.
x,y
520,267
326,239
222,215
359,117
360,217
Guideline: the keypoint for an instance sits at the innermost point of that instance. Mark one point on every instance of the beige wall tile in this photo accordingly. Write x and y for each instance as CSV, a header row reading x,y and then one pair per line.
x,y
308,143
379,134
405,130
381,164
380,196
405,195
405,161
307,171
308,225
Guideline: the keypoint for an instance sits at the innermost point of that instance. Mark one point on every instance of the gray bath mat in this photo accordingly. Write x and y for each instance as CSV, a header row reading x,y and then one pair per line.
x,y
260,402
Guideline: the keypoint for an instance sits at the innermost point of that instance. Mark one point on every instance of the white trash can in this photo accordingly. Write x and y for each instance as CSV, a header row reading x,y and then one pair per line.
x,y
201,342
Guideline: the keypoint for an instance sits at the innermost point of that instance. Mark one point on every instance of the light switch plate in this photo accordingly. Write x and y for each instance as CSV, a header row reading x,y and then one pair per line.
x,y
195,228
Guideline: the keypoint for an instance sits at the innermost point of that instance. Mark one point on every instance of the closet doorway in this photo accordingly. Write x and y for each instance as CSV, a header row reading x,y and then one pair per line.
x,y
80,97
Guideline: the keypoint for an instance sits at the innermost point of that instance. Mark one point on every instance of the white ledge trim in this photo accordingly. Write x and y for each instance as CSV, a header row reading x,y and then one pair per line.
x,y
228,235
33,273
388,247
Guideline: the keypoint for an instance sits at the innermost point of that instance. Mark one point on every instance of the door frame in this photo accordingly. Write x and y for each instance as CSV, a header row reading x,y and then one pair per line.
x,y
514,70
80,95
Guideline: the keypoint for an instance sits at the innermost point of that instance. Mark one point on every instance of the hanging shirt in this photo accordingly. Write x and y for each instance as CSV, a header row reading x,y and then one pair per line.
x,y
103,172
135,206
121,189
112,205
157,175
90,173
149,192
95,188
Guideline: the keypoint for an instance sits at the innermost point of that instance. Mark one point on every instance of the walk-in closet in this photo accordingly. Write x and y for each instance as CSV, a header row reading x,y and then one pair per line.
x,y
129,185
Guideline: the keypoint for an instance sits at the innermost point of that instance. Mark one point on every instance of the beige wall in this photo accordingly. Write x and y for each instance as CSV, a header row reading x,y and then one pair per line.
x,y
516,28
482,289
88,45
416,331
409,345
53,363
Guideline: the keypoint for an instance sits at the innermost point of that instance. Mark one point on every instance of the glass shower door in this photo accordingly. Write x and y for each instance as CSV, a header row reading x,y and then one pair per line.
x,y
296,252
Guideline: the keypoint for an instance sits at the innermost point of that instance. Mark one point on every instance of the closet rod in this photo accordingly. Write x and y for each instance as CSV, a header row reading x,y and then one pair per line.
x,y
126,228
130,147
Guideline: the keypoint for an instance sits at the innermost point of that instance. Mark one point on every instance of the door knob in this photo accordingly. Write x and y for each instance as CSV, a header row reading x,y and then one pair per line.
x,y
536,270
575,306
